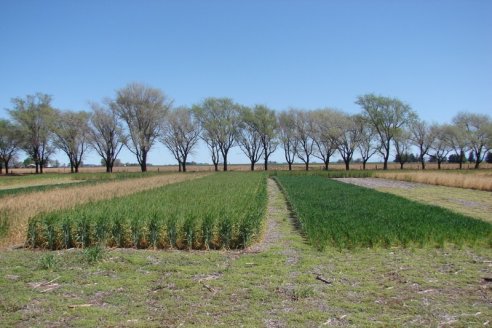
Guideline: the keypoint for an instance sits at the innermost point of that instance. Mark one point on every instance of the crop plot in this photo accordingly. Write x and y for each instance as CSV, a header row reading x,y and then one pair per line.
x,y
219,211
346,216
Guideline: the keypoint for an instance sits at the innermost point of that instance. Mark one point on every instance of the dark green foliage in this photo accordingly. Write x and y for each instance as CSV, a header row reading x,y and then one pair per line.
x,y
222,210
335,214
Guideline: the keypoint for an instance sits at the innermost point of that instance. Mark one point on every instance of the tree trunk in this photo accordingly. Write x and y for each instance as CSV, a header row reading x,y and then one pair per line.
x,y
347,165
108,167
385,164
266,163
477,164
76,168
41,169
462,155
422,162
143,163
37,167
364,164
179,166
477,160
6,168
184,166
439,164
307,165
326,165
252,166
290,166
216,166
401,166
1,168
225,161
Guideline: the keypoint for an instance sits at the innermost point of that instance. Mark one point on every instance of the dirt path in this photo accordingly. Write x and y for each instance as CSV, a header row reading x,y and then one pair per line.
x,y
375,183
276,212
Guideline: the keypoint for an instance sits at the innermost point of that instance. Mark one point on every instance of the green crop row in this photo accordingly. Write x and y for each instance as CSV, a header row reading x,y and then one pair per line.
x,y
333,213
224,210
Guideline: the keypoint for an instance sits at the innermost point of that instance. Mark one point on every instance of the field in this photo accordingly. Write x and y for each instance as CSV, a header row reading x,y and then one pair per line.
x,y
335,214
17,209
281,279
479,180
225,210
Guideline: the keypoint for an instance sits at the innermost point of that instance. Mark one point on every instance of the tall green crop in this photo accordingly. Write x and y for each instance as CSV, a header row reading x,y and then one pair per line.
x,y
336,214
224,210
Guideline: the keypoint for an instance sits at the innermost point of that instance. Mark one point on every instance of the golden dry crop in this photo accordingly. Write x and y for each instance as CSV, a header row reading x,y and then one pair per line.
x,y
482,180
24,206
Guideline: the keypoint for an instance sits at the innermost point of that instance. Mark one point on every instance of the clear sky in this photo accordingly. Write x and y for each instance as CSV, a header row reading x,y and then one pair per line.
x,y
435,55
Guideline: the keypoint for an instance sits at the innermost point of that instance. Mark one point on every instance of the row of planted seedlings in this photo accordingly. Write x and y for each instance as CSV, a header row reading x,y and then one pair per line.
x,y
224,210
332,213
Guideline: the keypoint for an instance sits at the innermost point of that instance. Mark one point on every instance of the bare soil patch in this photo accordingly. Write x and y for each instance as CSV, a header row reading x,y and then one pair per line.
x,y
375,183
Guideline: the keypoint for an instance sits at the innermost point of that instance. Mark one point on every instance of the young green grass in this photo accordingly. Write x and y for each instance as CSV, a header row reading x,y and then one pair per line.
x,y
223,210
335,214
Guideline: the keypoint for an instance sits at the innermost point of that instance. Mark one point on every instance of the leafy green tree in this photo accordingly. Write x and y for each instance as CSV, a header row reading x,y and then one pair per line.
x,y
387,116
10,143
478,129
35,118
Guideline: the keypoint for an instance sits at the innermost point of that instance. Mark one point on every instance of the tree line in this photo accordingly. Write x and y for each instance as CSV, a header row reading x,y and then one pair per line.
x,y
139,116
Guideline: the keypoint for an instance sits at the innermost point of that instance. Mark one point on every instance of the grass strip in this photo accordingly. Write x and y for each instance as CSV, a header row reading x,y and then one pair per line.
x,y
335,214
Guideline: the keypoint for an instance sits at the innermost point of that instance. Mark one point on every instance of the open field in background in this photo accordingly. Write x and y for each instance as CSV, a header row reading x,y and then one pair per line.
x,y
274,285
16,210
480,180
471,202
20,184
340,215
224,210
259,167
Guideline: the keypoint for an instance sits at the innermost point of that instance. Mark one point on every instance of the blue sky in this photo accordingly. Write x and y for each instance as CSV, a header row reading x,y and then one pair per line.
x,y
435,54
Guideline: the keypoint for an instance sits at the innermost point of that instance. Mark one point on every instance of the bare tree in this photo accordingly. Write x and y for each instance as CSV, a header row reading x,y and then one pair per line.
x,y
402,146
421,137
35,118
286,124
219,117
386,115
106,135
441,145
213,147
10,143
304,128
249,138
324,135
367,146
267,127
180,134
143,109
349,135
458,142
71,131
478,129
